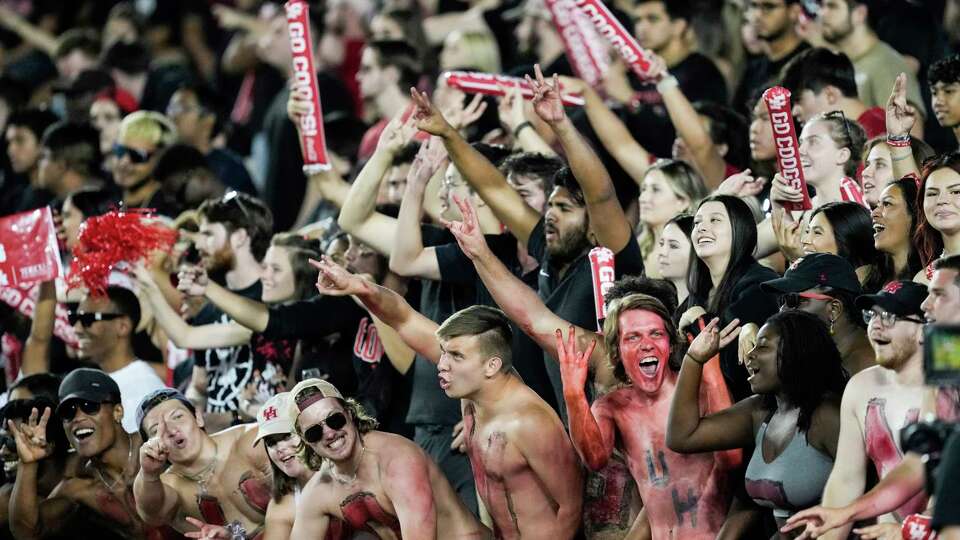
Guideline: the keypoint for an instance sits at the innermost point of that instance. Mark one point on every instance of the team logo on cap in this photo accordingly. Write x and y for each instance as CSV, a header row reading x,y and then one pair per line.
x,y
795,264
892,287
270,413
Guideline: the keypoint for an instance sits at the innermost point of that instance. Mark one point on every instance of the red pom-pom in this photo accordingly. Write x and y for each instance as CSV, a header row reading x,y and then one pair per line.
x,y
115,237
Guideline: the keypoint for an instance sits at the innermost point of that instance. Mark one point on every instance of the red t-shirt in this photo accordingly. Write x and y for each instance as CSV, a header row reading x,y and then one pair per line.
x,y
873,121
850,190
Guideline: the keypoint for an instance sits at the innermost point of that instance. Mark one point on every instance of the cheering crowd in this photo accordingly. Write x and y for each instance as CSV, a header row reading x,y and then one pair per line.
x,y
576,303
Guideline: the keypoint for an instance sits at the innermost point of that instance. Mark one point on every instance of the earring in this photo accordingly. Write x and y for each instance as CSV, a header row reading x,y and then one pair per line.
x,y
831,326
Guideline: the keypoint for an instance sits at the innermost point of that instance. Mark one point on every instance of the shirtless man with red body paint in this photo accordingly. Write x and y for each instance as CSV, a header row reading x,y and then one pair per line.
x,y
376,482
685,496
221,479
524,464
91,415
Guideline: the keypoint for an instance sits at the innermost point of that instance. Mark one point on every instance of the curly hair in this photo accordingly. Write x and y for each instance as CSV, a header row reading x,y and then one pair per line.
x,y
946,71
611,331
363,421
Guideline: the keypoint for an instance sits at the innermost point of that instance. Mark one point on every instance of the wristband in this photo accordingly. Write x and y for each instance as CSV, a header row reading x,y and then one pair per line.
x,y
520,127
898,141
236,530
667,83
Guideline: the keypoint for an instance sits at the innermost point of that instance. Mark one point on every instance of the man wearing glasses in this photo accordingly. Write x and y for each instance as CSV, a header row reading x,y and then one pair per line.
x,y
105,326
89,413
377,482
142,136
826,285
880,400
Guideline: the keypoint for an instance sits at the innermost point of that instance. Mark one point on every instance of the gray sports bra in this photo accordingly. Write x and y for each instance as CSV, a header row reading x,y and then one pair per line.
x,y
793,481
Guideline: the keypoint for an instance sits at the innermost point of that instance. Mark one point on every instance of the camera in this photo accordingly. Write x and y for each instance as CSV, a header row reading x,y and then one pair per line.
x,y
941,367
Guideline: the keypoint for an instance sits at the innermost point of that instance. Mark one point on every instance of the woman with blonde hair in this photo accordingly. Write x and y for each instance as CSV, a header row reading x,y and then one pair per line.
x,y
669,188
470,50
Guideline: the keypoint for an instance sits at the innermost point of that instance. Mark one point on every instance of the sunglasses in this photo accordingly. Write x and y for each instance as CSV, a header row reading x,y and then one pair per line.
x,y
838,115
87,319
68,410
315,432
795,300
233,195
886,318
137,157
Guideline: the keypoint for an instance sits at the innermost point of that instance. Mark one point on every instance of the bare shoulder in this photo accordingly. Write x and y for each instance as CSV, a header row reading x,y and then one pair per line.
x,y
392,448
867,380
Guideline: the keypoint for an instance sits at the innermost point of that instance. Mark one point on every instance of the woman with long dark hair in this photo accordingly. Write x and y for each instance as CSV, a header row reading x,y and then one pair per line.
x,y
938,225
792,421
845,229
725,279
675,254
894,221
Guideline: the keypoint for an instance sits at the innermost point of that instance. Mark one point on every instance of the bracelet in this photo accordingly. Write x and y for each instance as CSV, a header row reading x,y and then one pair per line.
x,y
667,83
694,359
236,530
899,141
520,127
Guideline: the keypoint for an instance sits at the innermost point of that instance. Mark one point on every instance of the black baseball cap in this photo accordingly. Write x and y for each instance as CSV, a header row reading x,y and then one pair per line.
x,y
816,270
89,384
902,298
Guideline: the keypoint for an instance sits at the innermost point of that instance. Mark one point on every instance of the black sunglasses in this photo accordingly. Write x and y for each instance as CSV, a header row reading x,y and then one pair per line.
x,y
234,195
315,432
795,300
838,115
136,156
68,410
87,319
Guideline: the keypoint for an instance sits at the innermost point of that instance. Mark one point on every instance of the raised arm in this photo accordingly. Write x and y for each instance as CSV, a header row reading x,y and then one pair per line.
x,y
30,516
183,335
592,430
359,215
706,156
36,351
409,257
901,117
611,131
249,313
483,176
416,330
157,502
689,431
511,110
607,219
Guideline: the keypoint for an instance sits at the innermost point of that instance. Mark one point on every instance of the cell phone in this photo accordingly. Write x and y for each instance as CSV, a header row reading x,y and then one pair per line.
x,y
941,354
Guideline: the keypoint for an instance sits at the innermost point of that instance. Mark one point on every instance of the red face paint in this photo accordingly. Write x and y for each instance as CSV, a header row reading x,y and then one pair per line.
x,y
644,348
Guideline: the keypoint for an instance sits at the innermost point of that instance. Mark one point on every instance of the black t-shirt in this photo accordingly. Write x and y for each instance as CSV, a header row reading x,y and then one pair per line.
x,y
429,404
946,511
646,115
760,74
750,304
570,296
457,268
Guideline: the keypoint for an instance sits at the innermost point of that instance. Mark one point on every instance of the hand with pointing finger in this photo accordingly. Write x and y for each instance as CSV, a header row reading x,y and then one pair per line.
x,y
153,453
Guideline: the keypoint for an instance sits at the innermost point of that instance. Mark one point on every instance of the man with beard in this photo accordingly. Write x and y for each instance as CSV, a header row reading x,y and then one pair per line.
x,y
90,410
906,480
223,479
235,232
877,403
393,491
775,23
848,26
105,326
582,211
944,80
517,446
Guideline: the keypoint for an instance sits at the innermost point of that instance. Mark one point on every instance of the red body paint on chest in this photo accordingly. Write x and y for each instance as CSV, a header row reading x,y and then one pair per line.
x,y
256,491
883,451
362,507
